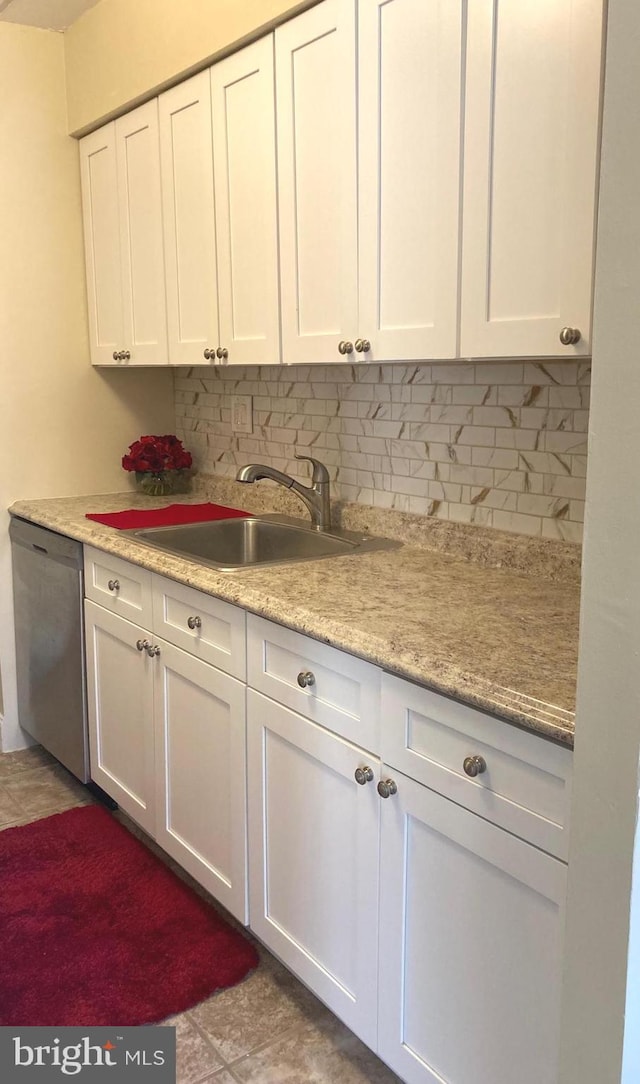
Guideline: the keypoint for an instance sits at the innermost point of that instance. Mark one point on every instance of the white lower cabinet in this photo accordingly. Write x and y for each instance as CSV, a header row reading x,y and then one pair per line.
x,y
120,709
167,731
422,915
200,781
420,897
314,858
470,946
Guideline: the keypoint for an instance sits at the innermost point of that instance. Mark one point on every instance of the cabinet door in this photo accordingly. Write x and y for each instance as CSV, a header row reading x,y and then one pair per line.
x,y
120,709
244,139
530,175
313,858
99,179
410,87
317,181
470,959
201,790
186,156
141,247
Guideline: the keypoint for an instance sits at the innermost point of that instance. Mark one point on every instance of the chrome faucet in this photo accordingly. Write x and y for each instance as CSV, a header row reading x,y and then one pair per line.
x,y
315,496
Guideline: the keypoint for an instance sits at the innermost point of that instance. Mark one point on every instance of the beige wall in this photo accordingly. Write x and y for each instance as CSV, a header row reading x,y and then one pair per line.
x,y
120,50
64,425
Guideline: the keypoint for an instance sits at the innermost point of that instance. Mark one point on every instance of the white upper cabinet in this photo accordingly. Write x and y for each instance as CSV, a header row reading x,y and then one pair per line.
x,y
138,159
244,141
378,180
218,152
410,89
530,175
317,181
189,220
123,240
102,243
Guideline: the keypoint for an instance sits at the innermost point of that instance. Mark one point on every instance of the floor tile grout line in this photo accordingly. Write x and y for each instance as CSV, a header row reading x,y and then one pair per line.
x,y
216,1075
286,1034
226,1064
203,1035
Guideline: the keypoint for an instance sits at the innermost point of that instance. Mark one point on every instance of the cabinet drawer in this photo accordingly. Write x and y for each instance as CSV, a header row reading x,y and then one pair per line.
x,y
343,694
525,786
204,626
118,586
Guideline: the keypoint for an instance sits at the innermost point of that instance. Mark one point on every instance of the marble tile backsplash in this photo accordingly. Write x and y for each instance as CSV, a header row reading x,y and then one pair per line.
x,y
497,444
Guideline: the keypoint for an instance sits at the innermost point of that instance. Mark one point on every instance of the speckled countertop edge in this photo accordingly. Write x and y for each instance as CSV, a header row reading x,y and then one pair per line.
x,y
491,637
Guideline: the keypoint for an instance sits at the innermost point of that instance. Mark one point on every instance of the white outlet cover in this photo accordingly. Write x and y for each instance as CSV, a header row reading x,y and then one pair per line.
x,y
242,413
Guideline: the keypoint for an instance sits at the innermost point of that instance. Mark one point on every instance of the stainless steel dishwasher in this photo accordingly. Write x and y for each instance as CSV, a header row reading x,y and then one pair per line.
x,y
48,607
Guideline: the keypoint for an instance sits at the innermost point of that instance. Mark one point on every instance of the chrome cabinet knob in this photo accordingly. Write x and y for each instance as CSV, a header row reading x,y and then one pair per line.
x,y
143,645
116,355
114,585
569,336
152,650
363,346
222,353
209,354
345,347
363,775
387,787
194,622
474,766
306,679
126,355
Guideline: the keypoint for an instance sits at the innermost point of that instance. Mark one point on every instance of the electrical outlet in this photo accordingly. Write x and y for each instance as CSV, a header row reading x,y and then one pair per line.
x,y
242,414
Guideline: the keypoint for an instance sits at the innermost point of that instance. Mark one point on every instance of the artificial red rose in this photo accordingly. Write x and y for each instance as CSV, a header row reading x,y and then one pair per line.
x,y
156,454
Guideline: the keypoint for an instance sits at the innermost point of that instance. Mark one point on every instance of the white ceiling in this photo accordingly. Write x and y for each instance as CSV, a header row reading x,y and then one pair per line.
x,y
48,14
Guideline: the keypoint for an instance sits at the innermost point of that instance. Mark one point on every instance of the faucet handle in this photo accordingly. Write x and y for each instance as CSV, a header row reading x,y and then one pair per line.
x,y
320,472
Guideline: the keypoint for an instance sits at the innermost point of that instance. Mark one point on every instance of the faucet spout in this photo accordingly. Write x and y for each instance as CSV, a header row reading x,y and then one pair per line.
x,y
253,472
316,496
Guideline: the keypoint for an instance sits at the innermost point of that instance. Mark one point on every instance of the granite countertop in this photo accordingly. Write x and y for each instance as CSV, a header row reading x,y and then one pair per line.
x,y
497,638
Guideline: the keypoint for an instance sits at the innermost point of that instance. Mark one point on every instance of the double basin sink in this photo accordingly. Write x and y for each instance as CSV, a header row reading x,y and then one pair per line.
x,y
232,544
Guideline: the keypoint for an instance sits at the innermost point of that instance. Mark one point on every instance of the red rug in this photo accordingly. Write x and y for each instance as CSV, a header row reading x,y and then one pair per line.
x,y
96,930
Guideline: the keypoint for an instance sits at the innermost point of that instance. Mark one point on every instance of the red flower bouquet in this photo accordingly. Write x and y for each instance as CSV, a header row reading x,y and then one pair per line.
x,y
159,463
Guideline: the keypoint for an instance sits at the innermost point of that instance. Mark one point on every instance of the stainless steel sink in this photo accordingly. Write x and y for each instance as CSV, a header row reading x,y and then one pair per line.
x,y
232,544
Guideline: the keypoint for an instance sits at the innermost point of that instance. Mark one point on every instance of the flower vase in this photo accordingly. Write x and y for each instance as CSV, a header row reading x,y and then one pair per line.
x,y
156,483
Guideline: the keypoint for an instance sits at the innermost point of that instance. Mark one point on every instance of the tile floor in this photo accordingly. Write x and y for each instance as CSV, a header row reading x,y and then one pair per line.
x,y
267,1030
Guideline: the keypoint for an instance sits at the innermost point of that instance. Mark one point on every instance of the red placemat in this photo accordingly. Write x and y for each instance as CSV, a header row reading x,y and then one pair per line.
x,y
165,517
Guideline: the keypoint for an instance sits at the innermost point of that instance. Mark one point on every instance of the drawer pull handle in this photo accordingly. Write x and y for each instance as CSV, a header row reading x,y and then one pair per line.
x,y
474,766
306,679
363,775
143,645
114,585
152,649
194,622
387,787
